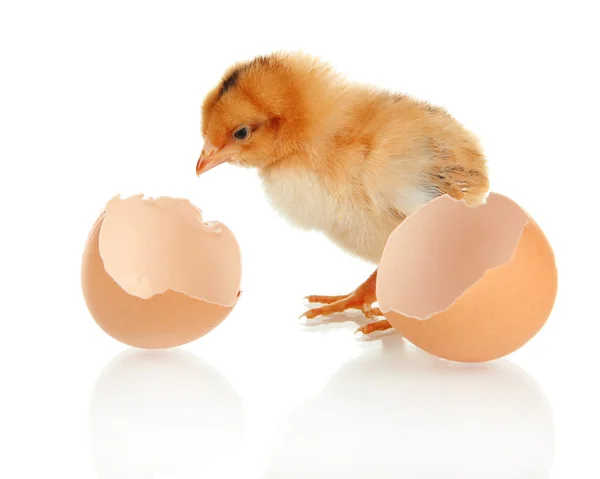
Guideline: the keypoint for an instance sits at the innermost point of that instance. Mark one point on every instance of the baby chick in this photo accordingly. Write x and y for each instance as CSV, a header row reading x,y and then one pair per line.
x,y
349,160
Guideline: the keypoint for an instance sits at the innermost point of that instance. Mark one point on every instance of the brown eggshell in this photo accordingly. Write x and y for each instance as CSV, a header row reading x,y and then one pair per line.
x,y
468,283
155,276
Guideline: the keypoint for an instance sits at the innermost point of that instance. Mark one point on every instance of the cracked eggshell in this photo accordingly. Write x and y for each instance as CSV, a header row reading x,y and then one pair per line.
x,y
468,283
155,275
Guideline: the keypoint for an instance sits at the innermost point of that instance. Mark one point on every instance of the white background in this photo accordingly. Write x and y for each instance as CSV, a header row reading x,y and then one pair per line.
x,y
100,98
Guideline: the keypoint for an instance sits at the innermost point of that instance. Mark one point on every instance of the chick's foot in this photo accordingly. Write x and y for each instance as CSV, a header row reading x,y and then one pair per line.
x,y
339,304
362,298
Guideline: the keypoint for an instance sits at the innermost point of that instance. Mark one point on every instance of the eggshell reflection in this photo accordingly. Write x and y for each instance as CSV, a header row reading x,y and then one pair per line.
x,y
163,413
468,283
154,275
396,412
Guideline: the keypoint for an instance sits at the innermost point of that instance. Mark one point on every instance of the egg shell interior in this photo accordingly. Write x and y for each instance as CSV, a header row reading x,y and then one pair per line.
x,y
149,246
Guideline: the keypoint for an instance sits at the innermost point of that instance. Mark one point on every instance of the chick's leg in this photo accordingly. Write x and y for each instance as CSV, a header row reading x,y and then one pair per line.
x,y
362,298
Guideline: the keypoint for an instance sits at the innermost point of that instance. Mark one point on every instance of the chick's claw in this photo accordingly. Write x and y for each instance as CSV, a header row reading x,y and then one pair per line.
x,y
338,306
316,299
372,312
369,328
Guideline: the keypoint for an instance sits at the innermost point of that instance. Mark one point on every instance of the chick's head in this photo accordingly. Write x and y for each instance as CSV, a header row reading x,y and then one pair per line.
x,y
260,112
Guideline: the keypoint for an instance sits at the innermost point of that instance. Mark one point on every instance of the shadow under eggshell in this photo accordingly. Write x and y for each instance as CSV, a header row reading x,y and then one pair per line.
x,y
497,313
164,320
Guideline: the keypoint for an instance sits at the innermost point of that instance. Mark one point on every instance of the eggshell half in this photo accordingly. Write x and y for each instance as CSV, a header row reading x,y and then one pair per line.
x,y
154,275
467,283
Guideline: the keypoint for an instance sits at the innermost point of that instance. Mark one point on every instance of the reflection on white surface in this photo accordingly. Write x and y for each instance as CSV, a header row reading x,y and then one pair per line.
x,y
398,412
163,414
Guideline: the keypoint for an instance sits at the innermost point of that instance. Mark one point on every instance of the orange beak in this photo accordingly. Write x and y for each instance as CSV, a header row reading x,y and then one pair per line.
x,y
212,156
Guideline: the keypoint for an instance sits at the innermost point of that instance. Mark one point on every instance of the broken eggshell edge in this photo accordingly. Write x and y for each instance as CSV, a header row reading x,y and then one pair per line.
x,y
499,307
168,317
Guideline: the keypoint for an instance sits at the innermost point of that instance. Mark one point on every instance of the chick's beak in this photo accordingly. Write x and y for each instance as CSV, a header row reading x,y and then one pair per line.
x,y
210,157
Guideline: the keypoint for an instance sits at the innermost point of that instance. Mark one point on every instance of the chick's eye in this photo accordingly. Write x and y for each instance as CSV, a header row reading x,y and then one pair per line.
x,y
242,133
